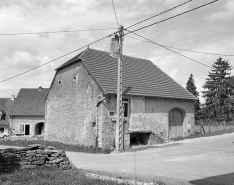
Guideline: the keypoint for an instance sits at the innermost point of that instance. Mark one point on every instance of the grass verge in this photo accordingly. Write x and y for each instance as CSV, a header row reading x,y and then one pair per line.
x,y
50,176
220,132
61,146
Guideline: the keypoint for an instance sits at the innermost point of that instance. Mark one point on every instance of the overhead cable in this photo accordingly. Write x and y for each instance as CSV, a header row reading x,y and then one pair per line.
x,y
54,59
200,52
172,16
115,13
50,32
170,49
159,14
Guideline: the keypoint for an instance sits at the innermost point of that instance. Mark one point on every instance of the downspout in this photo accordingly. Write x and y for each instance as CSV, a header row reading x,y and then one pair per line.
x,y
98,103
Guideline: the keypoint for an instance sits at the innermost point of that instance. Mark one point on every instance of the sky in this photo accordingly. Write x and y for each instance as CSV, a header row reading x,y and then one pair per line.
x,y
209,29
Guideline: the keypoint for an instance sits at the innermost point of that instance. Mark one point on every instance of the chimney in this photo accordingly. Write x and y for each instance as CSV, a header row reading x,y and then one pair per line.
x,y
40,88
12,97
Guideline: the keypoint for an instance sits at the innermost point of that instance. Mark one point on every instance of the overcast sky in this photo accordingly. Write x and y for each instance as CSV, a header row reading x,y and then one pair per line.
x,y
209,29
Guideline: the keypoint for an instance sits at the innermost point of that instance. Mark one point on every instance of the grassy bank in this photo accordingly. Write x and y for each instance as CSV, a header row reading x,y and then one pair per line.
x,y
61,146
219,132
50,176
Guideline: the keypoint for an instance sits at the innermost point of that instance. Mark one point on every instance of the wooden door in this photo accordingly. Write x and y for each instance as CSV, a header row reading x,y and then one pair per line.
x,y
175,123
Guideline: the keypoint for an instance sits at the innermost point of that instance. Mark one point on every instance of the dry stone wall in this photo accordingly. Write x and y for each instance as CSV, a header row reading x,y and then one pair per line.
x,y
33,156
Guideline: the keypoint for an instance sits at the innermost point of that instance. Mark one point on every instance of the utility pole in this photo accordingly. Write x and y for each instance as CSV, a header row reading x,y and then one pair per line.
x,y
119,140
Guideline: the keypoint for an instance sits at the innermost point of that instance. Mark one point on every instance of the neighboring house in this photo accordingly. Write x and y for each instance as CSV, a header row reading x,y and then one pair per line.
x,y
5,107
81,104
28,112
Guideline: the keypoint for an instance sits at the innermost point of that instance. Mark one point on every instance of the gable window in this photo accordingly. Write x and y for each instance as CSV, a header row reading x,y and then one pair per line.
x,y
125,102
2,115
59,82
75,78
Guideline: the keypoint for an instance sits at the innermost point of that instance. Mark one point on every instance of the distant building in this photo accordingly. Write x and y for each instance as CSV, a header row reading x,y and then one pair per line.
x,y
81,104
27,116
5,107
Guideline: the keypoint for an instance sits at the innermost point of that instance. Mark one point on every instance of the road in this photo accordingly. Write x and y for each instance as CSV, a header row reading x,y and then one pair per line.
x,y
198,161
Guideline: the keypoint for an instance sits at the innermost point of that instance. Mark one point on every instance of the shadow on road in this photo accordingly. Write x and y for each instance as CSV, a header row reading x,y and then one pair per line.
x,y
226,179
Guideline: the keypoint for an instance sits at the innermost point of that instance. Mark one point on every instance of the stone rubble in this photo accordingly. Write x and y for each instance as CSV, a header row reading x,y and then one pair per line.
x,y
33,156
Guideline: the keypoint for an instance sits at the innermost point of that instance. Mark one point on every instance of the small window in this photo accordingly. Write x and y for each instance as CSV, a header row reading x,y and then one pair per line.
x,y
21,127
126,107
1,130
2,116
75,78
59,82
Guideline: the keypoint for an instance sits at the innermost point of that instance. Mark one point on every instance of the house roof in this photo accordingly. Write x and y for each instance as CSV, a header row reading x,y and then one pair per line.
x,y
30,102
140,76
5,106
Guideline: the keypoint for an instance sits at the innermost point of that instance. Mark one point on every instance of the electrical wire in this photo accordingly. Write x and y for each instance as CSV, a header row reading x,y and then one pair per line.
x,y
50,32
170,49
173,16
159,14
115,13
200,52
54,59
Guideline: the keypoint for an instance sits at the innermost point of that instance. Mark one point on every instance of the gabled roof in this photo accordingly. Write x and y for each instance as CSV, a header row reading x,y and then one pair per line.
x,y
30,102
140,77
5,107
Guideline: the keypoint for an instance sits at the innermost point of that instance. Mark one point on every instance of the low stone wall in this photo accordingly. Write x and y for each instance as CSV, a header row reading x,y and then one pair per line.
x,y
33,156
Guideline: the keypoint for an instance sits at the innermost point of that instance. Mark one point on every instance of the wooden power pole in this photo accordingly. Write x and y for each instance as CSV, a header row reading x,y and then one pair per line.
x,y
119,140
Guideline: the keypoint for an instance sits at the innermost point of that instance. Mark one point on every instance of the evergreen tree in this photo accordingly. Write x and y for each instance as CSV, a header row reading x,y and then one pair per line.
x,y
191,87
220,90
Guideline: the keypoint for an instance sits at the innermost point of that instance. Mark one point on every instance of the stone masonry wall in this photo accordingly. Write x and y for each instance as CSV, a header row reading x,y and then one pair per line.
x,y
156,117
152,114
71,107
31,157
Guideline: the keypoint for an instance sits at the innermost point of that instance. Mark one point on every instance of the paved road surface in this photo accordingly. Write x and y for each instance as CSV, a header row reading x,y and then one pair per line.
x,y
198,161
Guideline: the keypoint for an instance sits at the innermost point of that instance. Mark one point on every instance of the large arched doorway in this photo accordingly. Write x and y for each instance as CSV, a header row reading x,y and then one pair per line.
x,y
176,119
39,129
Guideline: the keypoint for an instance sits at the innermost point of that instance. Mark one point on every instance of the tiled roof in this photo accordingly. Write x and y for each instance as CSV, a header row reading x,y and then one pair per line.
x,y
30,102
140,77
5,106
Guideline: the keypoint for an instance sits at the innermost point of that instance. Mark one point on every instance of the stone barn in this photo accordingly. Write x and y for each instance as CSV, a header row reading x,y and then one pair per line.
x,y
27,117
81,103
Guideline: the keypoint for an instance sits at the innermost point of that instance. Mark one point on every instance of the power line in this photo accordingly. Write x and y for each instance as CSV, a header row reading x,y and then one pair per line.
x,y
159,14
54,59
170,49
173,16
115,13
201,52
50,32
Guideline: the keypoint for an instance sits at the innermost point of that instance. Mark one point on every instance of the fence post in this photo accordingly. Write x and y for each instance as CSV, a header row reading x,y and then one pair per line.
x,y
201,126
209,126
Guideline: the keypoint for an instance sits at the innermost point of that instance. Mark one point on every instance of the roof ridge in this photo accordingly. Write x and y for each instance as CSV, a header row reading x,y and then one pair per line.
x,y
123,54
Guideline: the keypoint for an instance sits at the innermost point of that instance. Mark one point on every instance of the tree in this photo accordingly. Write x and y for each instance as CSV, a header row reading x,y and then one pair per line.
x,y
191,87
220,90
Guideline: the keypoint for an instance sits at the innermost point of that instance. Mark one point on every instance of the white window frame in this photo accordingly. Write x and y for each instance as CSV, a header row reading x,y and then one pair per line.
x,y
128,102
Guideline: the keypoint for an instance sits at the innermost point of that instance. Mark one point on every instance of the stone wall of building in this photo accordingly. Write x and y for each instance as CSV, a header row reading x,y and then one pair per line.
x,y
149,115
31,157
15,121
71,107
156,117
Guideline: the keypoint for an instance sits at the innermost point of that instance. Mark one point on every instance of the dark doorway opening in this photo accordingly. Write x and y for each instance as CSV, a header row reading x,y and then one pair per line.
x,y
39,128
139,139
27,129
